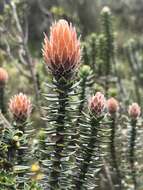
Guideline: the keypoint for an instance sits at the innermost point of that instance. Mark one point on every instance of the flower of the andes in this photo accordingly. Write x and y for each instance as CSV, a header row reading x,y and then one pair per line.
x,y
106,10
112,105
85,71
61,51
97,104
20,106
3,76
134,110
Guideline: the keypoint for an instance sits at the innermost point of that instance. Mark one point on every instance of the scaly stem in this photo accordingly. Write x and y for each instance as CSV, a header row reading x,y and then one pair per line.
x,y
62,89
113,151
132,152
82,98
21,155
88,152
80,109
108,45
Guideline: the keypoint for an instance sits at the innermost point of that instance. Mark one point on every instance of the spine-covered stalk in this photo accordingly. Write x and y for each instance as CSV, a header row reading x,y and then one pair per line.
x,y
113,151
113,106
20,107
88,154
60,130
96,107
132,151
3,80
108,43
85,72
62,56
134,113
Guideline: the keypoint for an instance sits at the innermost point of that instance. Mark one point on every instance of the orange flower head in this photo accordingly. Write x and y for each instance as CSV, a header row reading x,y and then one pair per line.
x,y
134,111
3,76
62,51
20,106
97,104
112,105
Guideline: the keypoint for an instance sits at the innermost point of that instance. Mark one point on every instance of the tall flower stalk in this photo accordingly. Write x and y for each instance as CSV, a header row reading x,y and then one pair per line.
x,y
113,106
62,56
134,112
85,78
108,44
20,108
96,107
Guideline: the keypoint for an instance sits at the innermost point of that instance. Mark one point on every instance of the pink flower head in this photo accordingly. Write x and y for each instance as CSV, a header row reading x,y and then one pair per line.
x,y
20,106
3,76
61,50
97,104
134,110
112,105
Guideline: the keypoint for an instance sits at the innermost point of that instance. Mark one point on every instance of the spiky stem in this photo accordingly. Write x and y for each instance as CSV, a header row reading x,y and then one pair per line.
x,y
82,97
20,151
88,152
132,152
107,32
62,89
21,154
113,150
80,108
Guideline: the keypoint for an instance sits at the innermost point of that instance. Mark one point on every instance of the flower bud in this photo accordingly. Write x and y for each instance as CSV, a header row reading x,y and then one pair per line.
x,y
134,111
112,105
85,71
97,104
62,51
20,107
3,76
106,10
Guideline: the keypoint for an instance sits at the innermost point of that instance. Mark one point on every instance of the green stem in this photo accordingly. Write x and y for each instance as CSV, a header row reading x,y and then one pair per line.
x,y
132,152
80,109
113,151
21,156
62,88
88,152
108,47
82,98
